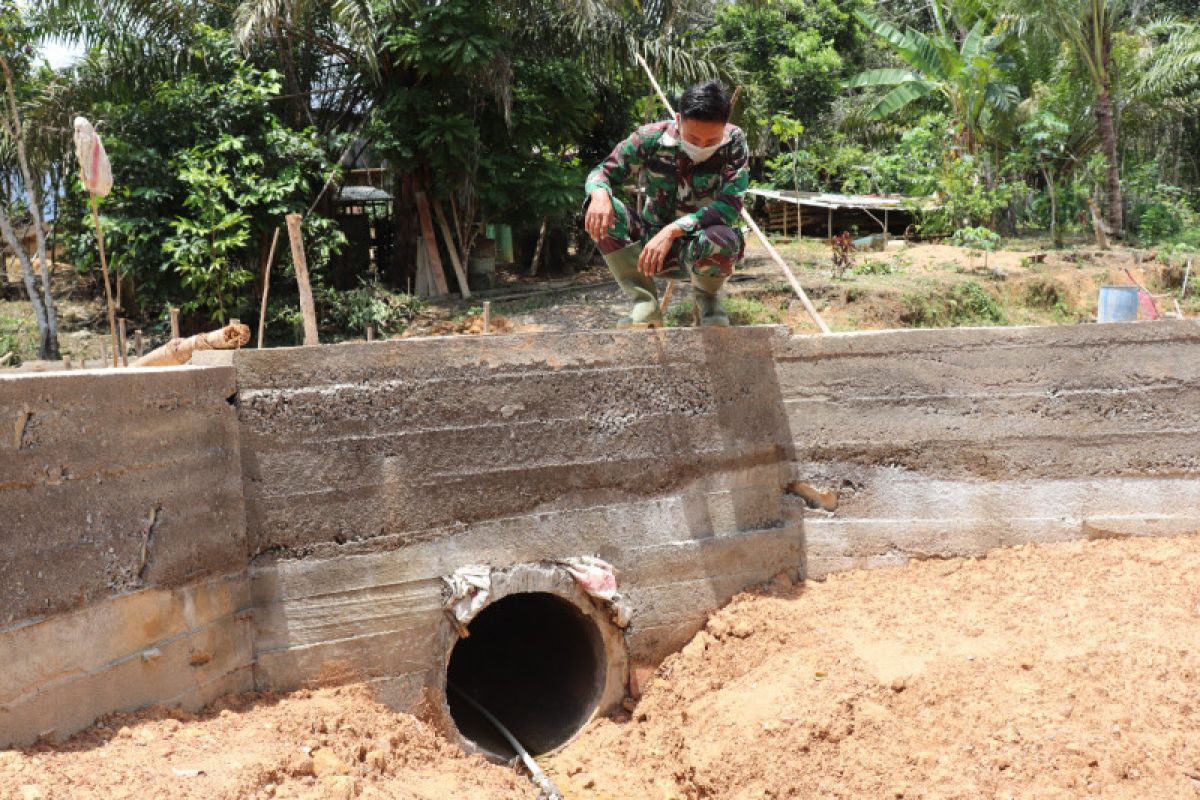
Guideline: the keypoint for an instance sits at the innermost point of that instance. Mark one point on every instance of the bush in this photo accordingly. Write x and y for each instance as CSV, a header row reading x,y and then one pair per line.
x,y
962,305
369,304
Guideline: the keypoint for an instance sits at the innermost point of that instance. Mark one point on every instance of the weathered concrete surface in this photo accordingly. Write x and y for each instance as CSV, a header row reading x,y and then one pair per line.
x,y
953,442
373,469
182,646
111,481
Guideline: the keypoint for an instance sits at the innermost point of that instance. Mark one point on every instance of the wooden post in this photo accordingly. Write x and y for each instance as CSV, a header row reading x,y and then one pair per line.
x,y
262,314
103,354
487,316
537,251
174,323
886,230
307,308
67,362
436,272
459,273
370,332
137,342
124,345
1187,272
831,224
800,221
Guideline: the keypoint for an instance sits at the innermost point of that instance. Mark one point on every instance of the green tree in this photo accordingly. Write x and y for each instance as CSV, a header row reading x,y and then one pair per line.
x,y
971,76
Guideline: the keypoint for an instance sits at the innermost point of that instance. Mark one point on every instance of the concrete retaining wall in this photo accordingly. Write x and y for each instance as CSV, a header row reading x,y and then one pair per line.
x,y
162,540
121,519
953,442
372,470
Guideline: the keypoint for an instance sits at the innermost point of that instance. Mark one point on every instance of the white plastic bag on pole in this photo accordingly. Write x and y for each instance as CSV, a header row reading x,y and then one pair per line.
x,y
93,161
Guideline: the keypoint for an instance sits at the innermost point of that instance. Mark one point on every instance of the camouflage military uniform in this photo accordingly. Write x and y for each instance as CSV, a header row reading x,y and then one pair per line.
x,y
704,199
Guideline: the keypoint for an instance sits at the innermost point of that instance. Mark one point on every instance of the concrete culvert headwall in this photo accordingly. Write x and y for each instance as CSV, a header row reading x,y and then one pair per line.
x,y
536,663
169,536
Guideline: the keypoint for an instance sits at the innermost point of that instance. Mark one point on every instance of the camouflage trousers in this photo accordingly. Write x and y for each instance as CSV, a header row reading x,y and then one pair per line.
x,y
710,252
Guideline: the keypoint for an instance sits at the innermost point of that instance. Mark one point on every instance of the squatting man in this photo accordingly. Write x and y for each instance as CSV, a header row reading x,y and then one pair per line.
x,y
695,172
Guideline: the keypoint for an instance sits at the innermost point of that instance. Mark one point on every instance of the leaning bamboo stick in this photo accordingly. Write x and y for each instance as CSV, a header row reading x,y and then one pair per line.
x,y
179,351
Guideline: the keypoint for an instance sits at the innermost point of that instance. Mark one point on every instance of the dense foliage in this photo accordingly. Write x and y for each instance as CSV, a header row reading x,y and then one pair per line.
x,y
1015,115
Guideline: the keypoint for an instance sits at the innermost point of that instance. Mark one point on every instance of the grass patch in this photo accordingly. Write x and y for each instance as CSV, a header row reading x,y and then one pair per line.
x,y
966,304
742,311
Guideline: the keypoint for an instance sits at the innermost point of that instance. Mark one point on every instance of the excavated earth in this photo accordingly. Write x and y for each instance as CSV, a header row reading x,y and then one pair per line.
x,y
1057,671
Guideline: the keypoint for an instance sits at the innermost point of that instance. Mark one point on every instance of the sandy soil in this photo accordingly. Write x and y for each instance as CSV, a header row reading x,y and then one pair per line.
x,y
317,745
1065,671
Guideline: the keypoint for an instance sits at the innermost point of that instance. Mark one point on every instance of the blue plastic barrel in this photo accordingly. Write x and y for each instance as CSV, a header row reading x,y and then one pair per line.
x,y
1117,304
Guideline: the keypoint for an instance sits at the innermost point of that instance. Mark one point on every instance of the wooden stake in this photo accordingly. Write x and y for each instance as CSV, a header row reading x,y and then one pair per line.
x,y
1187,271
262,314
174,323
537,251
137,342
124,345
103,354
112,312
487,316
666,301
307,308
66,362
459,274
370,332
436,271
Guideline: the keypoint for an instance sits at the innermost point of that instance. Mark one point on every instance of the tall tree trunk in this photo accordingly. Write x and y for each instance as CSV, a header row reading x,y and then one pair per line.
x,y
48,320
1114,211
1107,124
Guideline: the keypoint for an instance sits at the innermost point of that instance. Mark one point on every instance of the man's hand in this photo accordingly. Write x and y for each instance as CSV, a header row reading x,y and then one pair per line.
x,y
654,254
600,215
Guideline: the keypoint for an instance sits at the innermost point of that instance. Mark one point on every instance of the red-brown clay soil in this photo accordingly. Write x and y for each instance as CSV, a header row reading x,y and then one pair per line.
x,y
326,744
1061,671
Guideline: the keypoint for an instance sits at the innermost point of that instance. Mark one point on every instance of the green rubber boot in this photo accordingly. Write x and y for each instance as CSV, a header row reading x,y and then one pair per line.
x,y
707,310
640,288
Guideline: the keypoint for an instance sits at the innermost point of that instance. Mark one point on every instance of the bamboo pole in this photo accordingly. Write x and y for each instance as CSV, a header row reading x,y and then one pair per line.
x,y
262,313
796,287
112,312
307,308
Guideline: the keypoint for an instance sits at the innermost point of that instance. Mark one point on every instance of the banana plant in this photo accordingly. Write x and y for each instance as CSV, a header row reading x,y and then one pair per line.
x,y
972,76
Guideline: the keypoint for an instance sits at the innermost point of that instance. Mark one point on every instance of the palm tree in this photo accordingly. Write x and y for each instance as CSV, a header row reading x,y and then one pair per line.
x,y
971,75
1086,28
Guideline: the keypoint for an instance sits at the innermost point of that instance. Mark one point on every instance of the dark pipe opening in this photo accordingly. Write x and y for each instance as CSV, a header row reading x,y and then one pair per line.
x,y
537,663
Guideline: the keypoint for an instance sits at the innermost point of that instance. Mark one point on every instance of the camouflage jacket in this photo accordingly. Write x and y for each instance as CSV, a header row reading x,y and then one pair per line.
x,y
690,195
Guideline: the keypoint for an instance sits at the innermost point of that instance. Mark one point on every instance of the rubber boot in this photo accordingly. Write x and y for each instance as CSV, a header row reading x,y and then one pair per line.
x,y
707,310
641,289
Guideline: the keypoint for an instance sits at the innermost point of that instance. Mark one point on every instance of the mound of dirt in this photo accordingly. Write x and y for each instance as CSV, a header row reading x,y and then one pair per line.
x,y
316,745
1063,671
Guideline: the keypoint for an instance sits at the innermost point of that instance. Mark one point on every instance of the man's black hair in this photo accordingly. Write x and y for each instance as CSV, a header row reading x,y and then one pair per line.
x,y
706,102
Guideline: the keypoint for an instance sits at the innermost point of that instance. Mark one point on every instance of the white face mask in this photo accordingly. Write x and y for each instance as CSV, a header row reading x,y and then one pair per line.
x,y
698,154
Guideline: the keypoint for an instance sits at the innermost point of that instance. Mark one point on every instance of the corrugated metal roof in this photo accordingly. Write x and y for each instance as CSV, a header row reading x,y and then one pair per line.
x,y
835,201
362,194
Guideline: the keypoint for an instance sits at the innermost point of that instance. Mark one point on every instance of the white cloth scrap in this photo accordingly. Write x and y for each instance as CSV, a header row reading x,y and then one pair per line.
x,y
598,578
467,591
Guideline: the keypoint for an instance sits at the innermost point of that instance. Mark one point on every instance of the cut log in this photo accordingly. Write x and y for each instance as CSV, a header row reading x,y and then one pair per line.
x,y
179,351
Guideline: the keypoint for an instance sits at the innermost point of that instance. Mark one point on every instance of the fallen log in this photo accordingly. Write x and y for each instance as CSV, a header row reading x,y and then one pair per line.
x,y
179,351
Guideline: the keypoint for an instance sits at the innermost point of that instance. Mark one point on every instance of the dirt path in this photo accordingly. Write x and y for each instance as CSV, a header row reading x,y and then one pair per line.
x,y
1065,671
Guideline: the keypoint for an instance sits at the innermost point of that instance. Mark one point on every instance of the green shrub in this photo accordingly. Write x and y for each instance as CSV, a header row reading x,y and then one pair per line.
x,y
369,304
965,304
